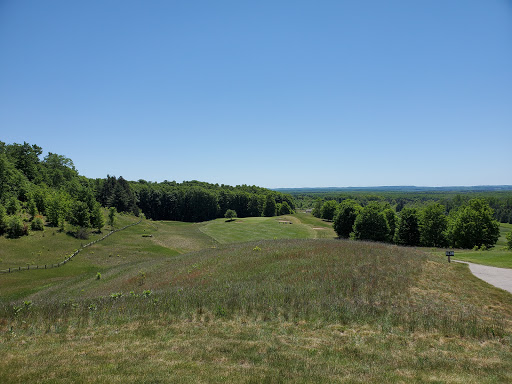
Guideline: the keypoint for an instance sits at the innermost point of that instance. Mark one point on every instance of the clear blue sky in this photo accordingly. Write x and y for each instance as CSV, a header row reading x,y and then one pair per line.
x,y
273,93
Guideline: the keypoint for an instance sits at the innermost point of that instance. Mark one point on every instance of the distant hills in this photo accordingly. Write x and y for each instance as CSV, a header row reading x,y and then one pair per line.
x,y
403,188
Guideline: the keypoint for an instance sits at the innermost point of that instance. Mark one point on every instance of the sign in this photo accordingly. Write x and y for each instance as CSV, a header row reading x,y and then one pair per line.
x,y
450,253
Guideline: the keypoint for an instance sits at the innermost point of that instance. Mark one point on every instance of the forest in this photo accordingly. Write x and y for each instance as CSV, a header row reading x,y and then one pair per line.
x,y
32,188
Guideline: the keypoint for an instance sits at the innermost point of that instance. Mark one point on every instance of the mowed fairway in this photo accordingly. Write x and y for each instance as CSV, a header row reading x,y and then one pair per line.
x,y
257,228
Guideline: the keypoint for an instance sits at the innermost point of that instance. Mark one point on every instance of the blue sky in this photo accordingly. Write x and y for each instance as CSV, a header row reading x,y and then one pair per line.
x,y
271,93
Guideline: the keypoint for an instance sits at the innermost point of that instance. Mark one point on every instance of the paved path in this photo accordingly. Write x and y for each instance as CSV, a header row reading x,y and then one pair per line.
x,y
499,277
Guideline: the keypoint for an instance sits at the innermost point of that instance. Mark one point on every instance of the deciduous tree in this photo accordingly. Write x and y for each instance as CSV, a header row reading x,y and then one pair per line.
x,y
371,224
345,217
408,231
473,225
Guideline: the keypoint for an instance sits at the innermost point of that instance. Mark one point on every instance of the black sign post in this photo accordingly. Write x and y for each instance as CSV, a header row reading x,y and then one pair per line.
x,y
449,254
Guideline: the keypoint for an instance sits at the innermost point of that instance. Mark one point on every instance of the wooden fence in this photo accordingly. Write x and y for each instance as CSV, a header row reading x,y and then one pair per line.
x,y
48,266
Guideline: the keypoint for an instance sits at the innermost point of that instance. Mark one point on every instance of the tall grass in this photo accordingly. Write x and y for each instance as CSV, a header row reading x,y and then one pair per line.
x,y
319,281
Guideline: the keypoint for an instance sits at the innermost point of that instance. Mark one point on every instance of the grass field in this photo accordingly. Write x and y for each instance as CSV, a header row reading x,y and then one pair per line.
x,y
185,302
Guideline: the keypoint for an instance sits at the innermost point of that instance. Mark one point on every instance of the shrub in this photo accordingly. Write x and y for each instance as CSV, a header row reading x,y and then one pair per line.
x,y
82,233
509,240
16,228
37,224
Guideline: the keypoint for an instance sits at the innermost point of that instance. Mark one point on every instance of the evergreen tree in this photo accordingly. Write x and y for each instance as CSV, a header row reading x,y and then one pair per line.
x,y
112,216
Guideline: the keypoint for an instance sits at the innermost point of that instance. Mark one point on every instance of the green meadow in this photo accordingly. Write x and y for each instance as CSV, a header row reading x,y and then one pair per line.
x,y
252,300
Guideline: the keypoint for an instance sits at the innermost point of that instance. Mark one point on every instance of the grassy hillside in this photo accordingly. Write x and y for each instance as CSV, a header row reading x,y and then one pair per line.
x,y
175,304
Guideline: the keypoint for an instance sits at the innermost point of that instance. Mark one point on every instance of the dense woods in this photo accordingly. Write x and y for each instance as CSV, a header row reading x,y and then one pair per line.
x,y
35,190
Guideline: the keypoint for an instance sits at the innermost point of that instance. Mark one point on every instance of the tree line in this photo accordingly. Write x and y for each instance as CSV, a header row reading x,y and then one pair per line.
x,y
36,191
499,200
471,225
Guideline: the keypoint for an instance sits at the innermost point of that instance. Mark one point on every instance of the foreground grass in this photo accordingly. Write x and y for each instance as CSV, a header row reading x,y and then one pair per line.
x,y
268,311
247,351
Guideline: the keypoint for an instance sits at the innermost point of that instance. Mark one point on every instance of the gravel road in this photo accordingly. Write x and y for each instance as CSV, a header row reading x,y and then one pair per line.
x,y
499,277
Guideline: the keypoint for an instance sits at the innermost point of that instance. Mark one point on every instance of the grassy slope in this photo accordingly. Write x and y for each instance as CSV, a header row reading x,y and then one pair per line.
x,y
297,310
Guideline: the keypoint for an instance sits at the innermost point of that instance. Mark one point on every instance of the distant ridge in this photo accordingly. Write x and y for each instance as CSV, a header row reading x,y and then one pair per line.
x,y
403,188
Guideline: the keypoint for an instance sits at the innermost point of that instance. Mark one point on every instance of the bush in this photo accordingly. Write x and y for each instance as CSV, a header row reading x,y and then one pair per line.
x,y
509,240
82,233
16,228
37,224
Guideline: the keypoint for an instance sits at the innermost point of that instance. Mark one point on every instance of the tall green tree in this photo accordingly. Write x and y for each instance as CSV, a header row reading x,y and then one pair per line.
x,y
97,219
270,206
285,209
79,215
317,208
408,230
25,158
473,225
328,209
392,221
57,208
3,219
433,226
112,216
13,206
345,217
371,224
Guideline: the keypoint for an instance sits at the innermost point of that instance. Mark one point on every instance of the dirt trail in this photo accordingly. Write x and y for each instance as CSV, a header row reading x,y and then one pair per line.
x,y
499,277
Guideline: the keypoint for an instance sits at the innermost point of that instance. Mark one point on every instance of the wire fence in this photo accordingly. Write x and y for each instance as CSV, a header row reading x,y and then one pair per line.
x,y
57,265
